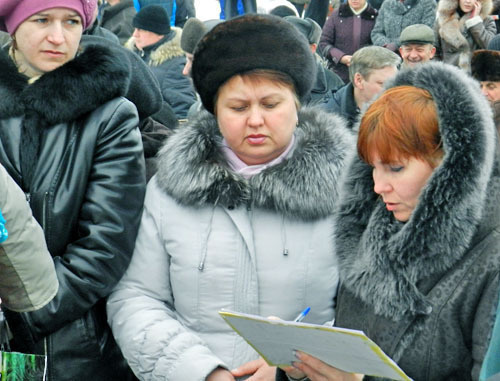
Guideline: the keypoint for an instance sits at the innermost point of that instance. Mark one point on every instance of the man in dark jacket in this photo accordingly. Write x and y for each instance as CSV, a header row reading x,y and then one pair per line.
x,y
370,67
159,46
117,17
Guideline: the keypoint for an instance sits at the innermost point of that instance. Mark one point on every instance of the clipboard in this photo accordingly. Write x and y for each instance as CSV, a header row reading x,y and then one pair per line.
x,y
346,349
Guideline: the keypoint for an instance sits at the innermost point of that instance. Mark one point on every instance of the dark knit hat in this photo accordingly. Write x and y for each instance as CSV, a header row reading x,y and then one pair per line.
x,y
308,27
153,18
193,31
485,65
250,42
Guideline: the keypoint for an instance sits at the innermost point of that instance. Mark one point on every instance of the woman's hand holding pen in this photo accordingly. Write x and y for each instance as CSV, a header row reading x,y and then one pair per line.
x,y
317,370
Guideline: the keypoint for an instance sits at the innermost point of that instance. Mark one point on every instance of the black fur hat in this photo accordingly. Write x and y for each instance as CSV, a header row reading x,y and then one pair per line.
x,y
250,42
485,65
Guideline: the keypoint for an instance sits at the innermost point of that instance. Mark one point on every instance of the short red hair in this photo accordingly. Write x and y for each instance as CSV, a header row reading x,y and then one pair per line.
x,y
400,124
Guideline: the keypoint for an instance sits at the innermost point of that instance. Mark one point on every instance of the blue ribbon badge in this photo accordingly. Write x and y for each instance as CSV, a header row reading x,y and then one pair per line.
x,y
3,230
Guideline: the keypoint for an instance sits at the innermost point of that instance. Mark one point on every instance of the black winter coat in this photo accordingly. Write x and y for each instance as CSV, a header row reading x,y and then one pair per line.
x,y
86,191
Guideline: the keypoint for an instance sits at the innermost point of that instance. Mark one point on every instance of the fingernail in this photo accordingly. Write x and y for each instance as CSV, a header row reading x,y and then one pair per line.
x,y
296,354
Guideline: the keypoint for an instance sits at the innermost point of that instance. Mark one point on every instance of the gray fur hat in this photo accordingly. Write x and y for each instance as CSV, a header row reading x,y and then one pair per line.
x,y
308,27
250,42
193,31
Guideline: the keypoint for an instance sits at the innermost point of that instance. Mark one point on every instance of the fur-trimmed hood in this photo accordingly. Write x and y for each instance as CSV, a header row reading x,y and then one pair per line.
x,y
451,27
165,51
194,171
382,260
64,94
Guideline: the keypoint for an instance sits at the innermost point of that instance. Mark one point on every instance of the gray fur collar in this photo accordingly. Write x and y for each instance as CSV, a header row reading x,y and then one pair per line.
x,y
166,51
193,170
451,27
382,260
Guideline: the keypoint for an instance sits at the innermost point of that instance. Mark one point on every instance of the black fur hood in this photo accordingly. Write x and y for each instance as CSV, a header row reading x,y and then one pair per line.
x,y
382,260
193,169
66,93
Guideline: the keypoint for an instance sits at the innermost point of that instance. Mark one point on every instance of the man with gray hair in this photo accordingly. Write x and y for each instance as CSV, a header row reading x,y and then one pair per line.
x,y
417,44
370,67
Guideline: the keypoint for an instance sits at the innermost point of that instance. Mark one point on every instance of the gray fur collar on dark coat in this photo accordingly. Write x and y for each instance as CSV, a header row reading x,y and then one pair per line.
x,y
382,260
193,169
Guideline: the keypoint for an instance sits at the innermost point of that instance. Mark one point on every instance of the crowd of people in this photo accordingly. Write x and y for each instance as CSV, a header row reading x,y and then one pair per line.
x,y
156,168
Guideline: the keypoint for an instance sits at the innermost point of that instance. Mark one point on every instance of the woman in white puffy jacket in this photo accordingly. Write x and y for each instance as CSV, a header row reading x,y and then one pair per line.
x,y
239,214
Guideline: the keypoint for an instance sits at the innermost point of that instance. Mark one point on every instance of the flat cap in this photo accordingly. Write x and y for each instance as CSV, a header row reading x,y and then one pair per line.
x,y
417,34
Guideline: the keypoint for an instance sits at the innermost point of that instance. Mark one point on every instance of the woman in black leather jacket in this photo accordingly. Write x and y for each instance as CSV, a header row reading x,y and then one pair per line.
x,y
70,140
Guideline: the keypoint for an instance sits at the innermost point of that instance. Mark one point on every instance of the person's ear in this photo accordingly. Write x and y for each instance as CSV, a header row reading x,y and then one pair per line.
x,y
358,81
433,51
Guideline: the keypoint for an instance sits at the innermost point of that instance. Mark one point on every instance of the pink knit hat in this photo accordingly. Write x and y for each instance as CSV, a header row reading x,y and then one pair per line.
x,y
14,12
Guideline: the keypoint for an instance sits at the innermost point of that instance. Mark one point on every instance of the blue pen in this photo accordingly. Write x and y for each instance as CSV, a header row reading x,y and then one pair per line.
x,y
302,314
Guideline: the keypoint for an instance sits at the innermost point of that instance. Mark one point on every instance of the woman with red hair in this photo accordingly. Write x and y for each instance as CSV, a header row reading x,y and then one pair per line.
x,y
418,229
